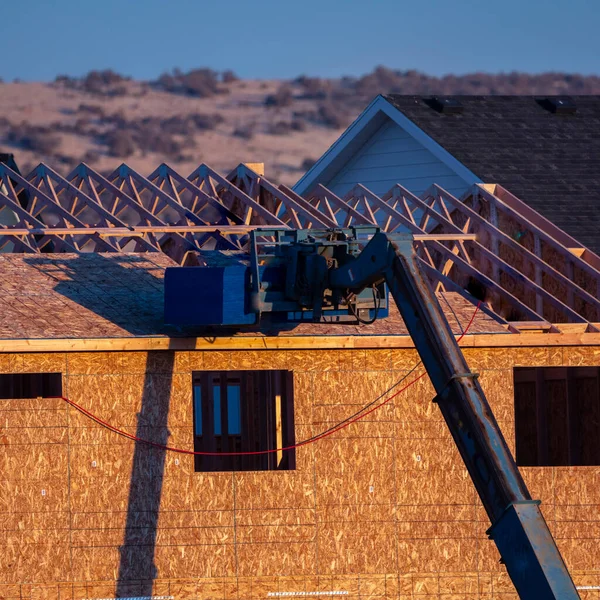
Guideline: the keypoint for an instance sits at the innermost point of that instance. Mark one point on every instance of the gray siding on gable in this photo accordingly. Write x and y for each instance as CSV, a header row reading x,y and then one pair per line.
x,y
392,156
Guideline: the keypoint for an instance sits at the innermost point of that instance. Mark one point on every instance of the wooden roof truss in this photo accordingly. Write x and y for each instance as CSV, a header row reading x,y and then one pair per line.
x,y
486,245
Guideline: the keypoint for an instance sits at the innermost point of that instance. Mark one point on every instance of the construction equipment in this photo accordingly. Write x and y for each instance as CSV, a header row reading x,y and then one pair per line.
x,y
342,274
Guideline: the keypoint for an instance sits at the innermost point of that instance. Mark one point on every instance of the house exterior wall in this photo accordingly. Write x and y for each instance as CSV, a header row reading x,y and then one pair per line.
x,y
392,156
382,509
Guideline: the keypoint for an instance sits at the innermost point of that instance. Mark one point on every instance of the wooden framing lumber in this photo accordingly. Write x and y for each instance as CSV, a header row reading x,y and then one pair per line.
x,y
498,237
325,342
458,241
140,230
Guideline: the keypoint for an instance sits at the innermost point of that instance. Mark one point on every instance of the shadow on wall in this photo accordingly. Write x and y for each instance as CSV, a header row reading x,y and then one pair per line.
x,y
137,569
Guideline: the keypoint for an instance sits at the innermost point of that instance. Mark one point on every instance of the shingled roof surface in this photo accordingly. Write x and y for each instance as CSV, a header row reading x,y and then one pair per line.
x,y
550,161
95,295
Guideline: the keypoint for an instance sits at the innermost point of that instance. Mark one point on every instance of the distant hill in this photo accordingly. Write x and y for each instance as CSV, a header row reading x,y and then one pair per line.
x,y
184,119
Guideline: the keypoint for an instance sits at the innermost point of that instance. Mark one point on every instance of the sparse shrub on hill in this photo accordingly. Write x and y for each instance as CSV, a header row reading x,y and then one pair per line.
x,y
246,132
315,88
307,163
332,115
120,143
100,83
279,128
281,98
41,140
90,157
229,76
201,83
90,109
203,122
298,125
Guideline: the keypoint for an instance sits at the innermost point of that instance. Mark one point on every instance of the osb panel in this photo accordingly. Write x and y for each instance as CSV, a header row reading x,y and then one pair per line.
x,y
393,481
304,385
285,489
208,491
423,513
437,529
358,513
314,360
577,485
404,360
35,495
91,363
355,471
265,534
22,521
582,357
434,487
437,555
343,549
427,454
41,363
537,357
332,389
265,359
275,517
277,559
415,403
44,562
31,461
352,360
40,436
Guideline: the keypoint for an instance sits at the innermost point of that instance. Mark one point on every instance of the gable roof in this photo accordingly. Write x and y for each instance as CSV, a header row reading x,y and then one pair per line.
x,y
550,161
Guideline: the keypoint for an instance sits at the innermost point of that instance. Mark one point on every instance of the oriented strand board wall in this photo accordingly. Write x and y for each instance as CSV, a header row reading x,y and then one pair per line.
x,y
383,509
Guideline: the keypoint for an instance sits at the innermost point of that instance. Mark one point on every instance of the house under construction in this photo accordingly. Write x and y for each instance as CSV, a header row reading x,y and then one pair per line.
x,y
95,387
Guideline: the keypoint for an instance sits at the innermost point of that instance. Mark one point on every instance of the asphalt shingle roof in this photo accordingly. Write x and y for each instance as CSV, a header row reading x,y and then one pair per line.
x,y
550,161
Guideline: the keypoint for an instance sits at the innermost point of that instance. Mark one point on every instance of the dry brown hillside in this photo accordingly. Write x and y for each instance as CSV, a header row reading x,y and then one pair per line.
x,y
202,116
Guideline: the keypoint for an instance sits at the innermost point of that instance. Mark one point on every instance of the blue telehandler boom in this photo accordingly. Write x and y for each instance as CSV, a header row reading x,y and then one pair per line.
x,y
336,275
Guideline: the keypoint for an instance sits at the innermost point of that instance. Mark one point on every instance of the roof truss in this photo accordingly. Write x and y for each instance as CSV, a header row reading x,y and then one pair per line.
x,y
485,245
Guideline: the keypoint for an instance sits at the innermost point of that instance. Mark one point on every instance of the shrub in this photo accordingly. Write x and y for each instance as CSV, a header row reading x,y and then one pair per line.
x,y
245,132
307,163
315,88
279,128
229,76
331,115
281,98
120,143
298,125
34,138
91,109
101,83
200,83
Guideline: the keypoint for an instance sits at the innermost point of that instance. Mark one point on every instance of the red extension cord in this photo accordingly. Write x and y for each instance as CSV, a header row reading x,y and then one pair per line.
x,y
315,438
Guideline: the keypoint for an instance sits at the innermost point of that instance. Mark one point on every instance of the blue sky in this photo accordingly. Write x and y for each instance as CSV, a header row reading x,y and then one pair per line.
x,y
282,39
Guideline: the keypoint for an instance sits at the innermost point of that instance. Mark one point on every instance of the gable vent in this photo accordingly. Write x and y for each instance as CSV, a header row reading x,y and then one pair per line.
x,y
447,106
559,105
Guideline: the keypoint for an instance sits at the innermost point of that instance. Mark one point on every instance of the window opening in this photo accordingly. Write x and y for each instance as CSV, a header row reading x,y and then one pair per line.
x,y
243,411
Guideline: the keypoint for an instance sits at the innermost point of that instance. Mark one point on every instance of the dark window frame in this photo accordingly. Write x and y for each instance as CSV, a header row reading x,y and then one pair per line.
x,y
266,420
23,386
557,416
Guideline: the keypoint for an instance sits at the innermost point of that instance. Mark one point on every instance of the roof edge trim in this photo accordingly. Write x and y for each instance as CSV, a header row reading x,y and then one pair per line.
x,y
342,342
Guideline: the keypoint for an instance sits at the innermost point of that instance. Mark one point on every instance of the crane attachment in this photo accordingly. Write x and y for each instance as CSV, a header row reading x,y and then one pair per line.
x,y
345,274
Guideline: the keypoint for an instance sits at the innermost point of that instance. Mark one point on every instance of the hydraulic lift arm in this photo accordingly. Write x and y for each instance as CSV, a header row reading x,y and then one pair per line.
x,y
518,528
332,276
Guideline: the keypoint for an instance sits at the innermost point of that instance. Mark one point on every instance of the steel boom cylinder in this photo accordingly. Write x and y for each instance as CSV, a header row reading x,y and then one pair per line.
x,y
519,530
